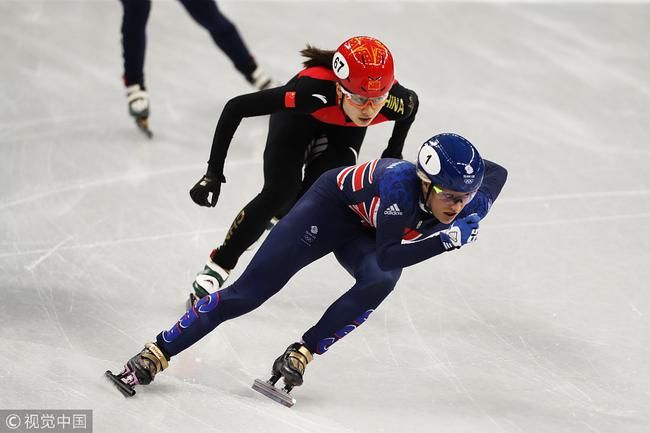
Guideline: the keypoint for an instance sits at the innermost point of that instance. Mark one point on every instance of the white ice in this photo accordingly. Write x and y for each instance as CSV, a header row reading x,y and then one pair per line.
x,y
542,326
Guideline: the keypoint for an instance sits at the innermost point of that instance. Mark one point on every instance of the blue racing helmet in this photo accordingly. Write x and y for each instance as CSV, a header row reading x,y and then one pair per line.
x,y
451,162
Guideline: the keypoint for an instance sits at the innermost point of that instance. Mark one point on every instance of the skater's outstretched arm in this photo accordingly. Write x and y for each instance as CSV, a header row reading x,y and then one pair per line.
x,y
207,189
494,179
394,253
249,105
301,95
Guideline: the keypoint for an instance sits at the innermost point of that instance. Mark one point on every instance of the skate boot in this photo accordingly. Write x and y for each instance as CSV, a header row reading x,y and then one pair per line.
x,y
139,370
260,79
291,367
209,280
138,100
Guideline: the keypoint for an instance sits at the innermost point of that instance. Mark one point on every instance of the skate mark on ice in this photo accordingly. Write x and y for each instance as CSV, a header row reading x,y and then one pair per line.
x,y
127,177
635,308
49,252
561,385
96,318
573,196
423,344
390,346
570,221
117,242
486,325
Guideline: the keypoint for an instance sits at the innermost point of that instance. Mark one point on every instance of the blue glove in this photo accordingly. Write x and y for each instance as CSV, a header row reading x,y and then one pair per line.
x,y
461,232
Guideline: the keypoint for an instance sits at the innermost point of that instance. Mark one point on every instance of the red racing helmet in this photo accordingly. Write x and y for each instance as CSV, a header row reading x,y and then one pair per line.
x,y
364,66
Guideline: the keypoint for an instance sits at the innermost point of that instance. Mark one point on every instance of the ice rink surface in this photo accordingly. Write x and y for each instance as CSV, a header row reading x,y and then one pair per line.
x,y
541,326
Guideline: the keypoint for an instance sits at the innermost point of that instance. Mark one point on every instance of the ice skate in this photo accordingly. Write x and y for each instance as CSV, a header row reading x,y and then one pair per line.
x,y
291,367
260,79
138,100
209,280
139,370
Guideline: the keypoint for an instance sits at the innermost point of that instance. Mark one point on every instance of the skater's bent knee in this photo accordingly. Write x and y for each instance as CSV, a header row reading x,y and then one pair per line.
x,y
280,193
381,280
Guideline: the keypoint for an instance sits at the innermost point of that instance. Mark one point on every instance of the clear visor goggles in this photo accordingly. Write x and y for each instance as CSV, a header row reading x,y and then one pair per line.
x,y
362,101
446,196
453,197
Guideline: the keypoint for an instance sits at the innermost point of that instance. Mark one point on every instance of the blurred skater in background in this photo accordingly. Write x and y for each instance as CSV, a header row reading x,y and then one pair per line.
x,y
207,15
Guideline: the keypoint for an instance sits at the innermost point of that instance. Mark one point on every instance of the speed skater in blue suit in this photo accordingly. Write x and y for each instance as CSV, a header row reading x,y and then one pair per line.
x,y
377,217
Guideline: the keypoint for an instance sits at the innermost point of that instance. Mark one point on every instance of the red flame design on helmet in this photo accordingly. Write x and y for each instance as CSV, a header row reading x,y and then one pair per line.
x,y
364,66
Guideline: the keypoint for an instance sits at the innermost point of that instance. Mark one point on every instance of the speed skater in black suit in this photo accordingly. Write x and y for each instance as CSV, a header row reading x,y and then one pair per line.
x,y
333,100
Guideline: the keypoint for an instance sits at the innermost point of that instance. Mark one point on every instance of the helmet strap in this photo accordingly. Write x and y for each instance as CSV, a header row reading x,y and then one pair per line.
x,y
340,101
425,204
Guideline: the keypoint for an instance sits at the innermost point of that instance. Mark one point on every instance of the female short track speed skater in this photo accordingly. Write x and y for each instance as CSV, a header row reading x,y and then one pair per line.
x,y
334,99
207,15
377,218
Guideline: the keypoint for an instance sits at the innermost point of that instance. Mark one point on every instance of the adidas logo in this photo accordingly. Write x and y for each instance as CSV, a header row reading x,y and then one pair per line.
x,y
393,210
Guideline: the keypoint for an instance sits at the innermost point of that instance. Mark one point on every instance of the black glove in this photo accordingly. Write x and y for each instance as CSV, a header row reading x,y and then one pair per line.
x,y
209,183
390,153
